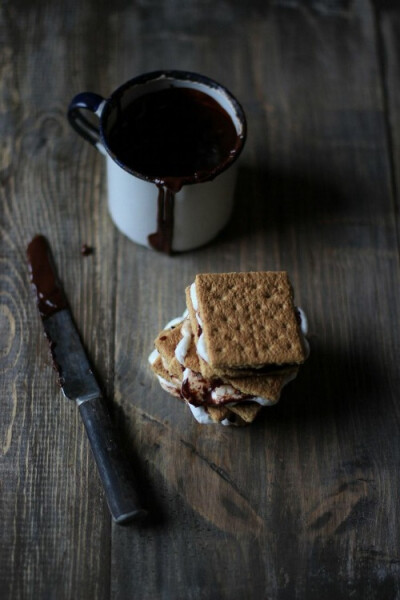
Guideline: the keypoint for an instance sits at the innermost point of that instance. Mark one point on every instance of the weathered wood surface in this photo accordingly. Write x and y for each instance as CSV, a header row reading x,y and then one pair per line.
x,y
305,503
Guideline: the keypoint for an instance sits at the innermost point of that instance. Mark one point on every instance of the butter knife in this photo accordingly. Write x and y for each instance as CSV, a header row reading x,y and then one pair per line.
x,y
78,383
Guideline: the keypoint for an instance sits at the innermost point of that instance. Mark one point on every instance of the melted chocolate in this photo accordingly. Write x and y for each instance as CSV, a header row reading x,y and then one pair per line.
x,y
174,137
197,397
48,289
86,250
162,239
200,394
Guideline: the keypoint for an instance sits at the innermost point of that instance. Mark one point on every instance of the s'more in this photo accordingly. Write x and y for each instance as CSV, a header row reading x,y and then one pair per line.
x,y
240,341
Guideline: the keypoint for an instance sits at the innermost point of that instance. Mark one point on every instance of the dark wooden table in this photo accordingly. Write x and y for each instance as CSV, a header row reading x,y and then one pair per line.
x,y
304,504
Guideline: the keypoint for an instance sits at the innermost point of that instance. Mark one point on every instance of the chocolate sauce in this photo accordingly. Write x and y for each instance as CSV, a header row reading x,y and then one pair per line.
x,y
173,137
197,397
199,392
86,250
48,289
162,239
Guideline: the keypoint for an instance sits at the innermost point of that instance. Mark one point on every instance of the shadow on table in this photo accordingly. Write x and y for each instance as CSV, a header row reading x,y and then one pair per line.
x,y
335,380
273,201
148,490
334,383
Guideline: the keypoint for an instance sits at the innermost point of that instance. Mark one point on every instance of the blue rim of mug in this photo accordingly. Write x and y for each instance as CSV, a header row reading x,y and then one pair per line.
x,y
112,102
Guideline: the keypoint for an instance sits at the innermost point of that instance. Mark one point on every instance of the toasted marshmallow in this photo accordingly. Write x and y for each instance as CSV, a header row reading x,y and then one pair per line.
x,y
153,356
169,387
201,415
174,322
182,348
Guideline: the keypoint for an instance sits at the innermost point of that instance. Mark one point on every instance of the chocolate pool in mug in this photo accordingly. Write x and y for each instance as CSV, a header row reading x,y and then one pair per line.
x,y
169,138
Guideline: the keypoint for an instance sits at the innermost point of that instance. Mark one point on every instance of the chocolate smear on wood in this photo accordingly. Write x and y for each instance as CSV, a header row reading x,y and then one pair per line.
x,y
86,250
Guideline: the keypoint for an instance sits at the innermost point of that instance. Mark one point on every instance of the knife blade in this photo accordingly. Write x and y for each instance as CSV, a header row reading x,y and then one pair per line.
x,y
79,383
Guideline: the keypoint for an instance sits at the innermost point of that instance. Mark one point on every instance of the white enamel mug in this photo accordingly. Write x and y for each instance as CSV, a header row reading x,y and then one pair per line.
x,y
200,209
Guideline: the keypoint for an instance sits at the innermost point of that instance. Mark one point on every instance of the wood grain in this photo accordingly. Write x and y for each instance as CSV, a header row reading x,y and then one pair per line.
x,y
53,512
304,503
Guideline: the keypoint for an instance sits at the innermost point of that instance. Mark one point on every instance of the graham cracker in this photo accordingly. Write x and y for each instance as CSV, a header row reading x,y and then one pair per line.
x,y
192,359
243,411
167,340
158,368
247,411
265,386
235,417
248,322
172,383
217,413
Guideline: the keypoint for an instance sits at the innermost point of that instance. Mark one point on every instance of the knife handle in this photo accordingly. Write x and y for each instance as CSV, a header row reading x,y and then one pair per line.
x,y
113,467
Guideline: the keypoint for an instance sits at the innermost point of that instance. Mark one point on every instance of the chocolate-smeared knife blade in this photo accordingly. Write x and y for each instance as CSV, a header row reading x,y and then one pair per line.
x,y
79,383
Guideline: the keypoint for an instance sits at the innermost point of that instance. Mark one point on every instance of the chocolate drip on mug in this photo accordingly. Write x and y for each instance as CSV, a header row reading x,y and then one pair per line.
x,y
162,239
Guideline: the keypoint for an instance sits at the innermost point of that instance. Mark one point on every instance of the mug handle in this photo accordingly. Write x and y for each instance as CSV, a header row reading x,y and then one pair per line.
x,y
81,102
